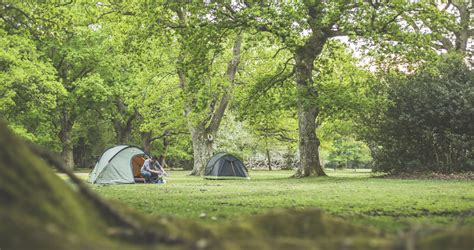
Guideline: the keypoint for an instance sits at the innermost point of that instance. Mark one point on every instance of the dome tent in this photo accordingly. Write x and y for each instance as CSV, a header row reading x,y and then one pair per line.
x,y
225,166
117,165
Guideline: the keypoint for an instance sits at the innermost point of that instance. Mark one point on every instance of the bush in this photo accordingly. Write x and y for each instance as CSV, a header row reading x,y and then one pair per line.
x,y
429,125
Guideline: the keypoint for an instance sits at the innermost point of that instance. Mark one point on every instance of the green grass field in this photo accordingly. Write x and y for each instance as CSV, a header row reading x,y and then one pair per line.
x,y
386,204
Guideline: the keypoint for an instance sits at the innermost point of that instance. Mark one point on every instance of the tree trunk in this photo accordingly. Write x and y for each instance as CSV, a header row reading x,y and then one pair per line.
x,y
123,129
146,141
67,153
464,33
204,132
202,150
67,156
308,143
269,160
307,108
80,153
122,133
166,145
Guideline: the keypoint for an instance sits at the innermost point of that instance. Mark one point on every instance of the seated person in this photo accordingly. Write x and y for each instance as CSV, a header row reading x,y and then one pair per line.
x,y
151,167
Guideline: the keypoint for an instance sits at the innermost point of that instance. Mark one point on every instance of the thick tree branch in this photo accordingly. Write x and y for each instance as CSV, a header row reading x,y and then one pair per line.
x,y
231,72
64,4
278,51
447,5
390,21
268,84
84,71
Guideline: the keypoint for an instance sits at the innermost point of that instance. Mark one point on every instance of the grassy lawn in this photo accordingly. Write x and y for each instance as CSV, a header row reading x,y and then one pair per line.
x,y
387,204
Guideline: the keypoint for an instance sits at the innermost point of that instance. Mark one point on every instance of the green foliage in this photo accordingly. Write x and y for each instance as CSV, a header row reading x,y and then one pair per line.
x,y
340,148
234,137
82,67
28,89
267,102
63,52
429,124
264,100
92,135
344,89
349,153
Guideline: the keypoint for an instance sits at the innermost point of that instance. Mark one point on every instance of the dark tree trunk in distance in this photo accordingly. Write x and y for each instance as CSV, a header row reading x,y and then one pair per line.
x,y
124,123
146,141
65,136
269,160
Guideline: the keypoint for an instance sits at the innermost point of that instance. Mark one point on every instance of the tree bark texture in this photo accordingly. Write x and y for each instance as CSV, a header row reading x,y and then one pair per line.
x,y
465,32
307,108
65,136
202,150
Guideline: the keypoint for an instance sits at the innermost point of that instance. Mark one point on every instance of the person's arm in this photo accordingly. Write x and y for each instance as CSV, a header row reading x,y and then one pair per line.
x,y
152,168
160,168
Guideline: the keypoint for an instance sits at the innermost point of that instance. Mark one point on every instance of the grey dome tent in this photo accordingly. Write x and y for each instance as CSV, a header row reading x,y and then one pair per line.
x,y
117,165
225,166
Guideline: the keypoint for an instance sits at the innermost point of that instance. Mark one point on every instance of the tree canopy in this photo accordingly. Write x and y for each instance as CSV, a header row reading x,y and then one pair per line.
x,y
184,81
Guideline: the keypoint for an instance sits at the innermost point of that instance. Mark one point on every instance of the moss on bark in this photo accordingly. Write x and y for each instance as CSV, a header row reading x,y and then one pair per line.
x,y
38,210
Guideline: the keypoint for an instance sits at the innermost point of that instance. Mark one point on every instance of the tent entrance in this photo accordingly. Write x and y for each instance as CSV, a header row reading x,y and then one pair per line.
x,y
137,163
227,169
233,169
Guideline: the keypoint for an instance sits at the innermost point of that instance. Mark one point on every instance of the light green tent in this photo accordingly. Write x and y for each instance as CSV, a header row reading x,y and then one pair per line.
x,y
117,165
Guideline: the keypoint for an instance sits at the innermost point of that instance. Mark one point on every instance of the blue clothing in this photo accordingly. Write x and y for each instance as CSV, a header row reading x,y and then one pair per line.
x,y
147,176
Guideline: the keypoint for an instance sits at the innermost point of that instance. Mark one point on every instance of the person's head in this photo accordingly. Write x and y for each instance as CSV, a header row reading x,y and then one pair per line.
x,y
154,158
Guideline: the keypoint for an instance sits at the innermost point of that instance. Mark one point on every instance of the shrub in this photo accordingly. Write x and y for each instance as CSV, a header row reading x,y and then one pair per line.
x,y
429,125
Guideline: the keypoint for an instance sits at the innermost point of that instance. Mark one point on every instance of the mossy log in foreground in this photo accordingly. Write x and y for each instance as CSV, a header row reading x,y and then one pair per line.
x,y
40,211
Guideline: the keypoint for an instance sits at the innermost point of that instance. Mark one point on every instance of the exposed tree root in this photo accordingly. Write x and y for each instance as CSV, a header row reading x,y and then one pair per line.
x,y
131,228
